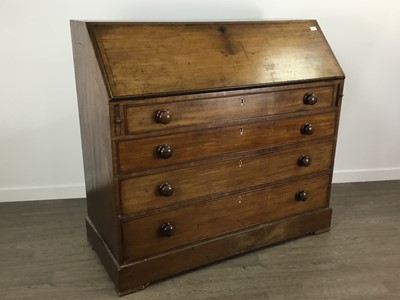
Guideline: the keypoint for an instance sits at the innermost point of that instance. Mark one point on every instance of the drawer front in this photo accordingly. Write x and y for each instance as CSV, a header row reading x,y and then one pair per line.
x,y
193,112
152,191
156,233
142,154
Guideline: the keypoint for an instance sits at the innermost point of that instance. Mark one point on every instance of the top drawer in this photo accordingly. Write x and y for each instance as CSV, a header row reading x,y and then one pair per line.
x,y
168,113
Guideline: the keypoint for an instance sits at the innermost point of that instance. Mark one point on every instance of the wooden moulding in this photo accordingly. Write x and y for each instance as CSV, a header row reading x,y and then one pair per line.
x,y
137,275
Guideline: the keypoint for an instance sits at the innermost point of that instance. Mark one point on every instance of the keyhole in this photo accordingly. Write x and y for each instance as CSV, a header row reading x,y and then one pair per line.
x,y
241,130
240,163
241,101
240,199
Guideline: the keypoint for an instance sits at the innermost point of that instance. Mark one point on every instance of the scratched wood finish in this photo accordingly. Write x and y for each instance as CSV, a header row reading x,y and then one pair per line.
x,y
141,193
162,58
136,155
222,109
197,222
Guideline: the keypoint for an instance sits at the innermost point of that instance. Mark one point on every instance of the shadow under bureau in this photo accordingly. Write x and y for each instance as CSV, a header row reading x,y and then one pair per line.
x,y
203,140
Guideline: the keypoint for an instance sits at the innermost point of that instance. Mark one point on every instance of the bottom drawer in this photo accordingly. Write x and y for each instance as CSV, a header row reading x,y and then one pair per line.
x,y
149,235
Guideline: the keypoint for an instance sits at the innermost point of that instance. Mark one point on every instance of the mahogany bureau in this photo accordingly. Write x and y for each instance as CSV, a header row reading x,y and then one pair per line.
x,y
203,140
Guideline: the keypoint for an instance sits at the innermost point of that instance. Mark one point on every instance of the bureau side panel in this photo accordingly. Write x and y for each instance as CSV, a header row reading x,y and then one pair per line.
x,y
338,102
96,139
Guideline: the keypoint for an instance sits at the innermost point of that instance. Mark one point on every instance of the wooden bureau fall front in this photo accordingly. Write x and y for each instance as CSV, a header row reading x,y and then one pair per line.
x,y
203,140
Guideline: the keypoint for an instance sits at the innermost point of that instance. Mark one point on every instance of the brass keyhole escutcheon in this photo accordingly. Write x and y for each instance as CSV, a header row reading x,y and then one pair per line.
x,y
240,163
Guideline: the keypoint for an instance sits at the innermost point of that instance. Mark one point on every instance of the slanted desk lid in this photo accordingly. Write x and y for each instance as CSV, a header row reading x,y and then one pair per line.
x,y
141,59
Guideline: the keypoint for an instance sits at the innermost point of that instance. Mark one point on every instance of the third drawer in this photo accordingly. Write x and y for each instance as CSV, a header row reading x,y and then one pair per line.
x,y
138,194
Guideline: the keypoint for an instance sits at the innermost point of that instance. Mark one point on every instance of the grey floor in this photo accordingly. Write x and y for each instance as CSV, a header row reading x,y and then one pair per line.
x,y
44,255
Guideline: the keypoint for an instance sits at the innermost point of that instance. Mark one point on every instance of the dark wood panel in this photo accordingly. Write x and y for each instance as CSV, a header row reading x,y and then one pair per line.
x,y
142,154
96,139
241,106
162,58
144,238
142,193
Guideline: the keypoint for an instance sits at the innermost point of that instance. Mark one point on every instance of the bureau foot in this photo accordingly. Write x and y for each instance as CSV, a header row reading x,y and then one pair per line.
x,y
321,231
139,288
89,242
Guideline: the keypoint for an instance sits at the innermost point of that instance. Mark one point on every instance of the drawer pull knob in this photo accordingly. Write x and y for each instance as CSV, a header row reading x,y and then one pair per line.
x,y
307,129
166,189
301,195
310,99
167,229
304,161
164,151
163,116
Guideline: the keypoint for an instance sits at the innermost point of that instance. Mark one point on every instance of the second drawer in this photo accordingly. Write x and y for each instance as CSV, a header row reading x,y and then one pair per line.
x,y
154,152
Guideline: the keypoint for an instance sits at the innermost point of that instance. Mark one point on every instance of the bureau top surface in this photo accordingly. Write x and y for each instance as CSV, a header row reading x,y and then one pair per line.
x,y
144,59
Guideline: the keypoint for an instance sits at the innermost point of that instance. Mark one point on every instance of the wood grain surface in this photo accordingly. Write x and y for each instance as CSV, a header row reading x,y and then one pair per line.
x,y
243,105
96,139
171,58
141,154
141,193
209,219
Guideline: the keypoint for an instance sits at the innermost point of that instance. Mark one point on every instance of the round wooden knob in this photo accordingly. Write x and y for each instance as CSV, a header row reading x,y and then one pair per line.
x,y
164,151
167,229
310,99
304,161
301,195
307,129
166,189
163,116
